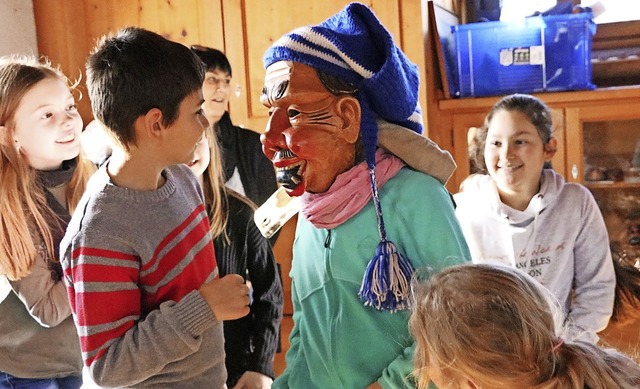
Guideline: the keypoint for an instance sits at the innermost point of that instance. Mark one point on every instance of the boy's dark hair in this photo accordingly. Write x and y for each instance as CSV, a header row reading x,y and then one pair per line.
x,y
134,71
213,59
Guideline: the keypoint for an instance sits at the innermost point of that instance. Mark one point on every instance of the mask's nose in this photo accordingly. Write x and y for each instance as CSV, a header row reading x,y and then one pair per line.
x,y
274,138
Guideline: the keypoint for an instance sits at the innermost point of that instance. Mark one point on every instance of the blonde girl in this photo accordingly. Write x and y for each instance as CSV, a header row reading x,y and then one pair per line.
x,y
42,178
491,326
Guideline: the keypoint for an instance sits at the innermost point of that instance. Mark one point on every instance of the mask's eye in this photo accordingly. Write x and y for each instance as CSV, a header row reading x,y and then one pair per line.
x,y
293,113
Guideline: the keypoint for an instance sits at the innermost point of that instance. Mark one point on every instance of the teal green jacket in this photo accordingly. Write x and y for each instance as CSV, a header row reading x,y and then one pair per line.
x,y
336,341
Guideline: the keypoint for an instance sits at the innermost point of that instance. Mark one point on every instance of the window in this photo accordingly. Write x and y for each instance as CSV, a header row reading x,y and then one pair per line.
x,y
605,11
610,11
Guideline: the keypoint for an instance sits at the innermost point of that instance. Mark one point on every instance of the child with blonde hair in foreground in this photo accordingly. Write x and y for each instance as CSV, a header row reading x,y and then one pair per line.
x,y
493,326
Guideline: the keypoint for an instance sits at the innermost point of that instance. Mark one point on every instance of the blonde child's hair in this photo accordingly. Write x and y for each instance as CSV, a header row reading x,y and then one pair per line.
x,y
497,327
25,218
215,192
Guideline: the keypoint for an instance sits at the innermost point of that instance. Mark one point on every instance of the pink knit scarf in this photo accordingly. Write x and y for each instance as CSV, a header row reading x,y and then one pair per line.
x,y
349,193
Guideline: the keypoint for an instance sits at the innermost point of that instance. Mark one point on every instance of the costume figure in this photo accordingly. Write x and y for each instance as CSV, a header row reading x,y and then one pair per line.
x,y
335,90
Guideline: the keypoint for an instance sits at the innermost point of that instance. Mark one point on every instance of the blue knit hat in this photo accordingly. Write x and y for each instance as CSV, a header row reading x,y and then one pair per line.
x,y
354,46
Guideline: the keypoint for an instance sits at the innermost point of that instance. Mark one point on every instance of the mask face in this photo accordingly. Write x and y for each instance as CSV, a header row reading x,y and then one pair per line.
x,y
311,134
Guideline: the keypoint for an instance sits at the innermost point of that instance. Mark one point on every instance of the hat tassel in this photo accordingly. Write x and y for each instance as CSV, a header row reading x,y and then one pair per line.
x,y
385,285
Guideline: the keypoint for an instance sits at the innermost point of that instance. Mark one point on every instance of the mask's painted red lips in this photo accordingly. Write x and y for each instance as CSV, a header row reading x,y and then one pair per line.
x,y
289,170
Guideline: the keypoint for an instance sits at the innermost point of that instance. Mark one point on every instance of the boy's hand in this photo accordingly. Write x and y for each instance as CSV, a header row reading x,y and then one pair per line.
x,y
228,297
253,380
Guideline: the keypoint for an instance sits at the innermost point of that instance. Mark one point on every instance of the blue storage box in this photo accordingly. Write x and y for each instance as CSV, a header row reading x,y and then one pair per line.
x,y
537,54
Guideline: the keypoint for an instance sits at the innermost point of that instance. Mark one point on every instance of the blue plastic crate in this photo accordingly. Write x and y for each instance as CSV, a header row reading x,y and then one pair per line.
x,y
537,54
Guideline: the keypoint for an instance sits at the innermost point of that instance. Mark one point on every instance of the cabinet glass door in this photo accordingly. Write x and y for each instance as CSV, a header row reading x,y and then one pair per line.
x,y
612,153
612,172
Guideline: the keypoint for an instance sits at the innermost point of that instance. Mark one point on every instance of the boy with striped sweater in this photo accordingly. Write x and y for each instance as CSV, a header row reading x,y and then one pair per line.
x,y
138,258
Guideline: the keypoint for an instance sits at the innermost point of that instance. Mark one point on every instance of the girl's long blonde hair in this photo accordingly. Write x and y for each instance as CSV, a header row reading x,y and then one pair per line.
x,y
25,218
494,325
215,192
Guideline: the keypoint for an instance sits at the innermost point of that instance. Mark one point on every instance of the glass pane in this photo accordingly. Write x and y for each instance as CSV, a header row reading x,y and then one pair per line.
x,y
612,172
612,151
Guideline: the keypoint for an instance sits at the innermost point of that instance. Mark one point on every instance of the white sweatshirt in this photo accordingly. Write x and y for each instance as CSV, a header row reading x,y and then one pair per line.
x,y
560,240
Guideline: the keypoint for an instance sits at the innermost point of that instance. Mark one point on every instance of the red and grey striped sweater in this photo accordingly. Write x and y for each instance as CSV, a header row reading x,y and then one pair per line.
x,y
133,263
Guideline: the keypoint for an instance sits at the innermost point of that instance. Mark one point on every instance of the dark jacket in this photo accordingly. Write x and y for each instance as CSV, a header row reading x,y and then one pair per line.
x,y
241,148
251,341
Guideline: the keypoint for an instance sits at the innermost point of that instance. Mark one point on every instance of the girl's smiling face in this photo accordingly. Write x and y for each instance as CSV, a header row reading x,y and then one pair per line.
x,y
515,154
48,125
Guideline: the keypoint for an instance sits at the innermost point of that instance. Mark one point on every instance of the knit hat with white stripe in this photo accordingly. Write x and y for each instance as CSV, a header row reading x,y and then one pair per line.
x,y
354,46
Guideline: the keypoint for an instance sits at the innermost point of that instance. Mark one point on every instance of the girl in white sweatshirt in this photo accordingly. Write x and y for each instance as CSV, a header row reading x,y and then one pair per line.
x,y
527,216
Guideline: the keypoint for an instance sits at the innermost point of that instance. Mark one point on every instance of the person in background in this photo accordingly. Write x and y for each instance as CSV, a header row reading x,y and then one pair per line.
x,y
528,217
250,342
138,255
42,176
246,169
330,107
493,326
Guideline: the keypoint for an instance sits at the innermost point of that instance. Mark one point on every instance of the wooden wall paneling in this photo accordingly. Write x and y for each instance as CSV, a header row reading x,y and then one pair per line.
x,y
234,46
61,32
573,145
210,24
107,16
148,15
412,39
559,160
67,31
179,21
